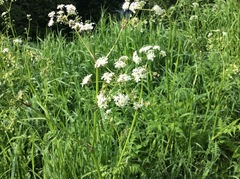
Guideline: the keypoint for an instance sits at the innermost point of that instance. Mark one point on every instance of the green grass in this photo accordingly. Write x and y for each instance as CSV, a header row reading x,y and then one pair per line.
x,y
51,126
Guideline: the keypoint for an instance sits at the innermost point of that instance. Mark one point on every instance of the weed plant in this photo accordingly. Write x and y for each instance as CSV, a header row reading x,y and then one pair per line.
x,y
66,113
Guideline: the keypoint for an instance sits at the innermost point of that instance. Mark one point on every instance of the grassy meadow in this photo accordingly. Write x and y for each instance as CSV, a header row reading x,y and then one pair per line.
x,y
177,118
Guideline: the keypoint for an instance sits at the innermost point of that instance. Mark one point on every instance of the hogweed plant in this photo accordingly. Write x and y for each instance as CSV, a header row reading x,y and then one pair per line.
x,y
117,89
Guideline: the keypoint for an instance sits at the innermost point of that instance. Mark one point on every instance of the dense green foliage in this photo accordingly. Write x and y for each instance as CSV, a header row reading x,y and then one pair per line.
x,y
51,126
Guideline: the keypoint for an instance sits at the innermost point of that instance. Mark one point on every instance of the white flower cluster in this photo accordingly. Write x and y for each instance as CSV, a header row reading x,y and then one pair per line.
x,y
86,79
67,15
150,52
138,105
139,73
121,62
138,5
232,70
136,58
102,61
121,77
107,77
102,101
158,10
133,6
17,41
3,15
193,17
121,100
5,50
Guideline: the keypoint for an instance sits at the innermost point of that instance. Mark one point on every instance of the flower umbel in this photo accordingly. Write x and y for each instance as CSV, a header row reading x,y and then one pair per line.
x,y
120,63
121,100
124,78
138,105
136,58
139,73
71,9
86,79
102,101
102,61
133,6
125,5
158,10
107,77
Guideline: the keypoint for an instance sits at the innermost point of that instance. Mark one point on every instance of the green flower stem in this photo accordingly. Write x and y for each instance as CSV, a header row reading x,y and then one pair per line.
x,y
85,45
130,132
95,112
96,164
117,39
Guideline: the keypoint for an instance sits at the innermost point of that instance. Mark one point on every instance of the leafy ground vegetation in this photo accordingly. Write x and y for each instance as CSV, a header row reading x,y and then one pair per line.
x,y
156,96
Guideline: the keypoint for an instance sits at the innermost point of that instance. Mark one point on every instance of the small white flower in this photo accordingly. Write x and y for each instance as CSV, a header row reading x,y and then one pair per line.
x,y
137,5
193,17
209,34
121,100
20,95
71,23
61,6
51,22
102,61
150,55
139,73
28,16
123,58
51,14
86,27
86,79
119,64
156,47
71,9
136,58
145,49
17,41
195,5
125,6
109,111
5,50
123,78
158,10
137,105
4,14
60,13
163,53
224,34
77,26
102,101
107,77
